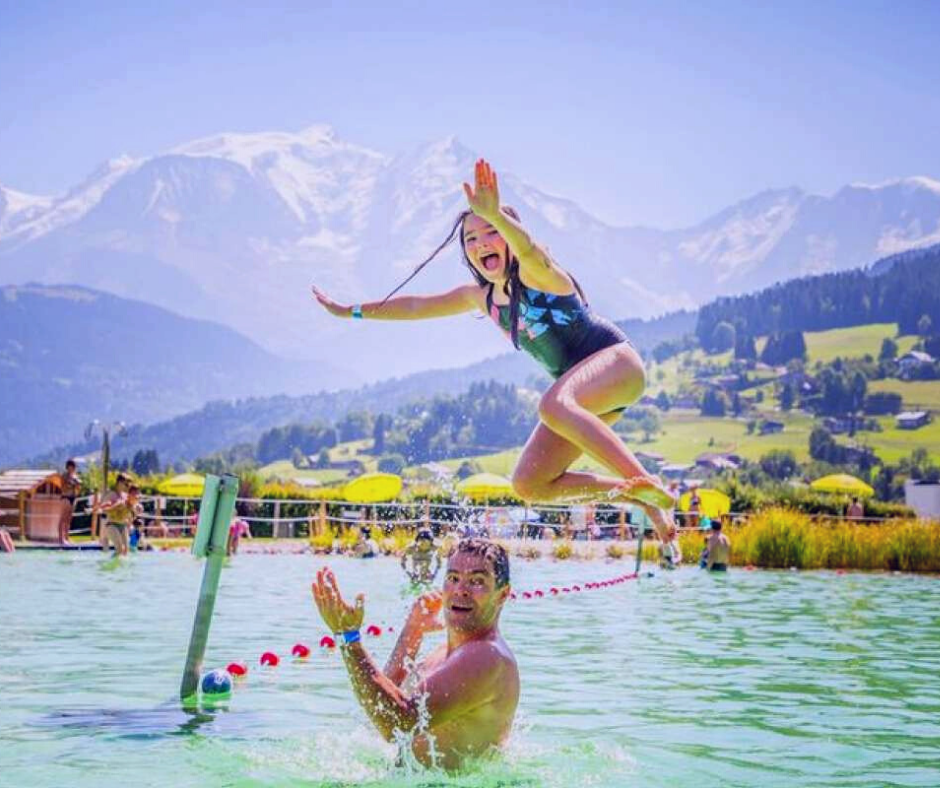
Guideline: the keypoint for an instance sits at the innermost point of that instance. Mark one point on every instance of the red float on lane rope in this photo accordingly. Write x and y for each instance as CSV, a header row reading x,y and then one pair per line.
x,y
327,642
270,658
237,668
300,651
373,630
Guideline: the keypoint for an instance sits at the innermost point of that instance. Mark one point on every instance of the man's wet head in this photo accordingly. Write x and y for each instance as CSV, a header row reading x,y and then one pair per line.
x,y
476,585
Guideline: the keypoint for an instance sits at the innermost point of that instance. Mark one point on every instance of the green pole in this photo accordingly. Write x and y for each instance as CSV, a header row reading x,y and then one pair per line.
x,y
215,514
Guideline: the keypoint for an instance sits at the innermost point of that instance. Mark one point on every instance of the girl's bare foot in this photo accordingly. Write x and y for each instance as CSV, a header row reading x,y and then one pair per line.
x,y
645,490
662,521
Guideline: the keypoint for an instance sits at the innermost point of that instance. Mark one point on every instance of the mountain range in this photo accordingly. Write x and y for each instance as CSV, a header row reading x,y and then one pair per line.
x,y
69,355
234,228
188,388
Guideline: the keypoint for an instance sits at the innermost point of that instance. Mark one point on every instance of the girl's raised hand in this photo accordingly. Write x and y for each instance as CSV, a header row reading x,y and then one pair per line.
x,y
329,304
484,195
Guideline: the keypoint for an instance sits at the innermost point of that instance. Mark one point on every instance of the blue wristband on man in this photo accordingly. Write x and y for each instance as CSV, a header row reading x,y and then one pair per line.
x,y
357,312
350,637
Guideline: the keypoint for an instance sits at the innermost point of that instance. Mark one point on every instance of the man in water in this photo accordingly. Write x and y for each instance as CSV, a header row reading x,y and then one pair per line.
x,y
719,549
365,546
422,554
468,687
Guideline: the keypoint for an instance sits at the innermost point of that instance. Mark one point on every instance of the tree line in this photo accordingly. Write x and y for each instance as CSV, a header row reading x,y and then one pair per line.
x,y
488,417
903,290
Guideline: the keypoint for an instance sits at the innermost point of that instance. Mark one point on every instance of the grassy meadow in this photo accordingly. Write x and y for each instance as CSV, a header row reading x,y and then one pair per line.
x,y
685,434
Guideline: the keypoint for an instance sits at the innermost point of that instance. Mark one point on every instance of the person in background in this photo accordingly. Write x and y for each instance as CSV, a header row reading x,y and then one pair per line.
x,y
108,500
236,530
6,542
719,549
670,555
71,487
365,546
422,555
695,508
706,528
122,508
855,511
71,482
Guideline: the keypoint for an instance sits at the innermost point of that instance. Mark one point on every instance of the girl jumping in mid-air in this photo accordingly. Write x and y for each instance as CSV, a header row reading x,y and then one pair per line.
x,y
597,372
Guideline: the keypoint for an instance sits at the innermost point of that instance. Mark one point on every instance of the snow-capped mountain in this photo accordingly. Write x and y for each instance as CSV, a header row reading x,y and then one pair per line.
x,y
236,227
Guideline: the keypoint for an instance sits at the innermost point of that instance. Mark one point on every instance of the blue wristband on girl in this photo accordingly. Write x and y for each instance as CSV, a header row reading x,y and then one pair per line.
x,y
350,637
357,311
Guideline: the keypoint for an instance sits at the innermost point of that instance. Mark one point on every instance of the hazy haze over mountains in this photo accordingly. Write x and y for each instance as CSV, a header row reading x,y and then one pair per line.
x,y
235,228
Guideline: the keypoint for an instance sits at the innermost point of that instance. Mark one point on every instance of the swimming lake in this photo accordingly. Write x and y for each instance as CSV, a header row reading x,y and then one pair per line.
x,y
683,680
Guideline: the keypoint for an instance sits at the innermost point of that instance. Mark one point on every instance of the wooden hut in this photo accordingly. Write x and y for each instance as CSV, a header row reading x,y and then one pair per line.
x,y
31,504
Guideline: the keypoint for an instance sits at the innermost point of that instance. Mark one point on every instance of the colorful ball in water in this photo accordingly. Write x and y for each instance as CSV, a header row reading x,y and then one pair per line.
x,y
217,682
270,658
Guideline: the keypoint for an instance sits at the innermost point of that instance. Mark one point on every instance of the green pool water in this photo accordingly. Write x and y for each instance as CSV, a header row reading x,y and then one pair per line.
x,y
752,679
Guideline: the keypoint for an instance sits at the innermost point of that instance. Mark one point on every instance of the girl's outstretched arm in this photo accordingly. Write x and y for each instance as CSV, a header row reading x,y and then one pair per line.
x,y
536,266
464,298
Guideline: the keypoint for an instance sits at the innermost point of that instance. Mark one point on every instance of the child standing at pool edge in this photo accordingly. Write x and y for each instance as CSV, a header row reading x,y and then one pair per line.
x,y
540,306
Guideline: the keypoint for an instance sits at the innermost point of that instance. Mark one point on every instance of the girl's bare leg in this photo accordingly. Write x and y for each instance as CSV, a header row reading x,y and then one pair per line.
x,y
542,473
576,414
610,379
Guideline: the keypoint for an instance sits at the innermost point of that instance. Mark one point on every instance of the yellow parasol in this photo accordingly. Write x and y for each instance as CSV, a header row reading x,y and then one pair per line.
x,y
482,486
844,484
373,488
186,485
714,503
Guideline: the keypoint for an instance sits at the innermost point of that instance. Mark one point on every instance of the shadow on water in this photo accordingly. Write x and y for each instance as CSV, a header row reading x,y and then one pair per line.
x,y
169,719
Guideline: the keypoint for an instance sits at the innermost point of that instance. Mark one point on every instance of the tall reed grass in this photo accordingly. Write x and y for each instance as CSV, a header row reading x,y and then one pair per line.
x,y
784,538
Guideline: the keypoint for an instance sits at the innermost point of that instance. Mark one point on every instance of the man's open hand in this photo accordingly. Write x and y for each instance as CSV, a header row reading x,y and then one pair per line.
x,y
425,615
337,614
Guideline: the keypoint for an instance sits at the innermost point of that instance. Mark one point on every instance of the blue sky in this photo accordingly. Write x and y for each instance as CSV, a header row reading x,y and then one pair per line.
x,y
643,113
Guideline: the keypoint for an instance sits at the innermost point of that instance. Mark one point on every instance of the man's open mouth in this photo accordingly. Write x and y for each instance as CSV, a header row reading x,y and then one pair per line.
x,y
461,608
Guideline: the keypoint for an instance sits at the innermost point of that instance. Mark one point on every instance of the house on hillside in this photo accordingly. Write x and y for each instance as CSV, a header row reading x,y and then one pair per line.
x,y
798,380
909,363
713,461
352,467
675,471
837,426
771,427
727,383
650,460
912,420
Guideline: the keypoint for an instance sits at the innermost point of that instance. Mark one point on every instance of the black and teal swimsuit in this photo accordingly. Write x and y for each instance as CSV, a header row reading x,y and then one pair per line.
x,y
558,331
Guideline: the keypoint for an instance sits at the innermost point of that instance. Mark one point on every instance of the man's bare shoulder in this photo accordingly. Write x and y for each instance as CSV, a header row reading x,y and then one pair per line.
x,y
487,654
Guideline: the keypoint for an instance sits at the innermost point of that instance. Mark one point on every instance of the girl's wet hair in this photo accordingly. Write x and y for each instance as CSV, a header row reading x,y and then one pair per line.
x,y
513,285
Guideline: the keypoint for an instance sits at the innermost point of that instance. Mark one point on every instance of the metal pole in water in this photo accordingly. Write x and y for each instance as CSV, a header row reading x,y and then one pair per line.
x,y
215,514
639,546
